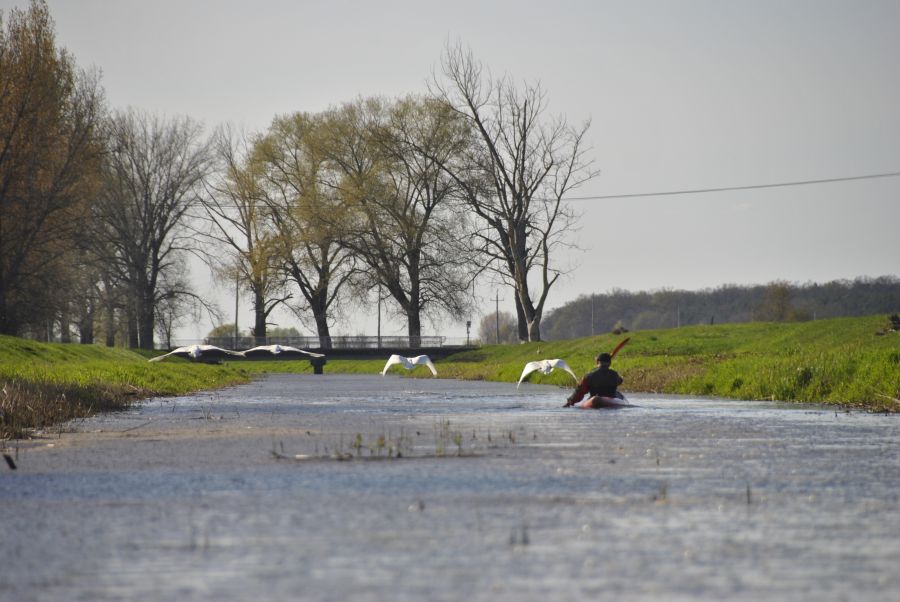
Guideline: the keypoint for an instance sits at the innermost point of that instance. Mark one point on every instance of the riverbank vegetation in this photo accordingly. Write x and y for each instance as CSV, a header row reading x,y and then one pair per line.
x,y
850,362
45,384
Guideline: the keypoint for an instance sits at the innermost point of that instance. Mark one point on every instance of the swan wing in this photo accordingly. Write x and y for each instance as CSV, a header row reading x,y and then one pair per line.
x,y
214,351
262,350
286,349
160,358
178,351
424,360
529,368
394,359
561,364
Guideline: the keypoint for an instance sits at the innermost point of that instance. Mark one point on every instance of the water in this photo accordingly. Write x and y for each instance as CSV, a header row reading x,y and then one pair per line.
x,y
500,494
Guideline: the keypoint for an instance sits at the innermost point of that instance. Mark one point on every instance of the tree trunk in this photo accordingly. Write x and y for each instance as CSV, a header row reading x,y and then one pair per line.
x,y
146,330
529,318
65,326
534,329
259,318
414,306
145,317
319,306
86,328
131,319
415,328
322,330
522,322
109,324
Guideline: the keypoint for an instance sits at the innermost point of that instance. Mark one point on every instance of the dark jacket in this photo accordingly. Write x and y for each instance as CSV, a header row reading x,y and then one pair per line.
x,y
602,381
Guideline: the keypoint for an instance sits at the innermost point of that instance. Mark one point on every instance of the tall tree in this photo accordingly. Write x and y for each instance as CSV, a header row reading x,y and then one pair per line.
x,y
236,221
404,221
777,305
49,113
305,217
153,172
515,178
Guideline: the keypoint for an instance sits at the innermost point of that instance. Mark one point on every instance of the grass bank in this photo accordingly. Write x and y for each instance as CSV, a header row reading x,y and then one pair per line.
x,y
42,384
851,362
841,361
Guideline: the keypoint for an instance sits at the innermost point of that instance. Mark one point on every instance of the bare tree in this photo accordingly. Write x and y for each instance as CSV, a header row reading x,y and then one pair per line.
x,y
153,173
235,219
85,295
404,222
497,328
515,177
105,290
305,217
174,302
48,117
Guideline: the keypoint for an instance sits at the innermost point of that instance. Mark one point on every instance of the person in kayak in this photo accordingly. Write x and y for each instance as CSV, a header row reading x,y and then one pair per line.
x,y
601,382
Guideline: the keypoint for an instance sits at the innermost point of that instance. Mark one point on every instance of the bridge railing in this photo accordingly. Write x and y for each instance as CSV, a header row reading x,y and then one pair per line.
x,y
337,342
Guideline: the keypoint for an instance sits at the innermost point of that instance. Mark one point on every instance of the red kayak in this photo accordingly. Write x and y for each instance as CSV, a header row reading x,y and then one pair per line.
x,y
608,402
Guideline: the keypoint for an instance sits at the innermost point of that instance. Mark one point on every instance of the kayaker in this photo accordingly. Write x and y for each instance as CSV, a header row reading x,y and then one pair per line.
x,y
601,382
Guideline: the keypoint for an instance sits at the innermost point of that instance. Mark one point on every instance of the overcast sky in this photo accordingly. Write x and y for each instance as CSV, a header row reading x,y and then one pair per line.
x,y
682,95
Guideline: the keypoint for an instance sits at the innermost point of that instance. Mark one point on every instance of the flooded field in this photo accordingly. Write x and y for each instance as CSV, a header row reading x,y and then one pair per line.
x,y
302,487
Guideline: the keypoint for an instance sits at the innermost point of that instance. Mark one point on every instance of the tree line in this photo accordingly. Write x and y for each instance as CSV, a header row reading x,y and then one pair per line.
x,y
773,302
405,200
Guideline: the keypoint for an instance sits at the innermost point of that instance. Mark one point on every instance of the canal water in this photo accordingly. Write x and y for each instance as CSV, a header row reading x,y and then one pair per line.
x,y
338,487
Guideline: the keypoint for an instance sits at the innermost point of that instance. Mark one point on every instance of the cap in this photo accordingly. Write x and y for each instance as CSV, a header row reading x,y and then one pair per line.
x,y
604,358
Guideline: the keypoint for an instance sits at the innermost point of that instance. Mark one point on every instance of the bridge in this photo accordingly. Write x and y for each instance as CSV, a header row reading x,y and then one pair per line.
x,y
354,346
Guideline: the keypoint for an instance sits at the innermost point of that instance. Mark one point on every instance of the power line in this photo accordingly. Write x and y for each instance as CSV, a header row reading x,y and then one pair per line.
x,y
892,174
727,188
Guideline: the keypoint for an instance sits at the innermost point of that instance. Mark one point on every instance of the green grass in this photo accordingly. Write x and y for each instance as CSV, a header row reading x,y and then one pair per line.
x,y
840,361
90,365
44,384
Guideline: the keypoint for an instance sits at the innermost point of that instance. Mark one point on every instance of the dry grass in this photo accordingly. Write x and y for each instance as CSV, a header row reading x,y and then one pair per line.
x,y
27,405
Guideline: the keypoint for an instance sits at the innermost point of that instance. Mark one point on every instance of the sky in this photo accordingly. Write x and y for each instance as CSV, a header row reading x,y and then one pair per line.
x,y
681,95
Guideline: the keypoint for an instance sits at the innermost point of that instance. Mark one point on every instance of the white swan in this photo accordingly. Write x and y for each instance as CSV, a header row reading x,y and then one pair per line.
x,y
279,351
409,363
198,352
545,367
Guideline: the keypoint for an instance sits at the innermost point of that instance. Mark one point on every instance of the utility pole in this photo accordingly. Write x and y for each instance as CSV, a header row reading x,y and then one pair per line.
x,y
379,316
592,314
497,317
237,290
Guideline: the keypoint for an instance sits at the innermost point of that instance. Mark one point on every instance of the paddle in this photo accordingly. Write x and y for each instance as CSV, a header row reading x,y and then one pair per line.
x,y
619,346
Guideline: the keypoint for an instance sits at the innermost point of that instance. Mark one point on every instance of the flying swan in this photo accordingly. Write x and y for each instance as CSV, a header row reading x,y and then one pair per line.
x,y
409,363
280,351
199,352
545,367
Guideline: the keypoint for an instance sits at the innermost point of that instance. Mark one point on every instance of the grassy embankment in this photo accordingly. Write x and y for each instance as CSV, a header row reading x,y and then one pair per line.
x,y
839,361
45,384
